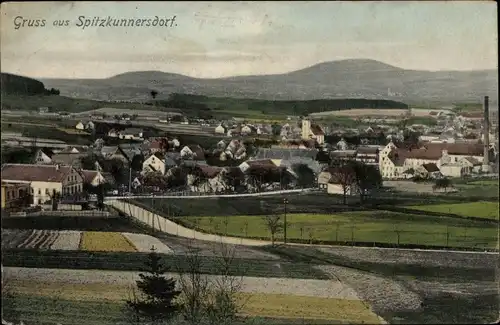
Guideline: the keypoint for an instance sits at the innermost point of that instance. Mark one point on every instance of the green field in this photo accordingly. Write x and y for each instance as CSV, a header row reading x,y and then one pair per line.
x,y
369,227
487,210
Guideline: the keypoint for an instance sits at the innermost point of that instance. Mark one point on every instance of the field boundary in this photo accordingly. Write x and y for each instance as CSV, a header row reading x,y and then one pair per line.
x,y
432,213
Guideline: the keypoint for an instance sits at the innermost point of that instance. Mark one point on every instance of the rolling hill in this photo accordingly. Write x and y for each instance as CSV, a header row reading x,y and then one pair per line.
x,y
354,78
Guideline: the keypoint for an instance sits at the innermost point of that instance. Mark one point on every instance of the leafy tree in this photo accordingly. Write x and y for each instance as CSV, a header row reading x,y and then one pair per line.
x,y
367,178
276,129
444,183
306,177
137,162
159,295
323,157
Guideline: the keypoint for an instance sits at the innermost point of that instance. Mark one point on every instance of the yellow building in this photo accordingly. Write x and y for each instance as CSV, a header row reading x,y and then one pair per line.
x,y
43,180
13,195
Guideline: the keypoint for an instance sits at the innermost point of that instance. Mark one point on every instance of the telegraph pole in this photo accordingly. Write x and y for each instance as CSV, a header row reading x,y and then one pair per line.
x,y
285,201
130,180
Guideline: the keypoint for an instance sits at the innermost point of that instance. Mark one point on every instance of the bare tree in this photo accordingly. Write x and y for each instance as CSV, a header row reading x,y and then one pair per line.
x,y
345,177
211,300
273,223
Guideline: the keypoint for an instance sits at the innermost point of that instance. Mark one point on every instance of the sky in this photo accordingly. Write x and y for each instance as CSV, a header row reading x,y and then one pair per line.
x,y
220,39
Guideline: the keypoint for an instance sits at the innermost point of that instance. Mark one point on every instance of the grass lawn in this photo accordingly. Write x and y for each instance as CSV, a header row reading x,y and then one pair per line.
x,y
365,226
104,304
487,210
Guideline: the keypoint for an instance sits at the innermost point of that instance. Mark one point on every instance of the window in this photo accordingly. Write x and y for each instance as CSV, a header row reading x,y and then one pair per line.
x,y
39,192
8,195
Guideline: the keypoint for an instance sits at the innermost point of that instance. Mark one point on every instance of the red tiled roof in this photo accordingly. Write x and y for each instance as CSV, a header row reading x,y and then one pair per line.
x,y
463,149
210,171
316,130
261,163
35,173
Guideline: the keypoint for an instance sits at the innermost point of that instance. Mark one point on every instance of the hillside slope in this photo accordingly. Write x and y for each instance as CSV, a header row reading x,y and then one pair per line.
x,y
353,78
14,84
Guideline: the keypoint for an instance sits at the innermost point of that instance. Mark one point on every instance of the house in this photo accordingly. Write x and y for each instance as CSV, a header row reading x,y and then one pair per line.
x,y
266,163
471,165
312,131
42,156
113,152
368,154
90,126
94,177
80,126
206,179
14,195
44,179
220,129
154,163
246,129
68,159
131,134
453,170
194,152
113,133
342,144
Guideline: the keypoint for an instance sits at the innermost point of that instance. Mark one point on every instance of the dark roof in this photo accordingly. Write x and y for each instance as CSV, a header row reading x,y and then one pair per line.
x,y
431,167
316,129
67,158
340,174
210,171
464,149
35,173
397,157
285,153
367,150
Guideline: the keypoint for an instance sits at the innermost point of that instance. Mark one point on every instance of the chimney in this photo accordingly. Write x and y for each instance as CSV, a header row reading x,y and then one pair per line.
x,y
486,132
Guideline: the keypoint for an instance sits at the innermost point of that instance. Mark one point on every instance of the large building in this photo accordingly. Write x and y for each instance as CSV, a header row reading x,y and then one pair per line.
x,y
453,159
43,180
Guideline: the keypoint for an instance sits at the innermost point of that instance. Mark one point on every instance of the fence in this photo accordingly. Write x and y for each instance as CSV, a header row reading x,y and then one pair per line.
x,y
187,194
61,213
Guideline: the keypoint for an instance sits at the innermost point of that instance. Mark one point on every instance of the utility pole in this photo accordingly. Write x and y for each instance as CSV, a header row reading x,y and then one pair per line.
x,y
285,201
130,180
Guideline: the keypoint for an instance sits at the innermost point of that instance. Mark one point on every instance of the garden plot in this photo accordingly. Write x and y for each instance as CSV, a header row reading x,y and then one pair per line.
x,y
81,240
38,239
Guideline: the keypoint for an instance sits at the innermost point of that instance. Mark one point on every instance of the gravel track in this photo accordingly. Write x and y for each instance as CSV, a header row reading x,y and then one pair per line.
x,y
67,240
299,287
143,243
383,294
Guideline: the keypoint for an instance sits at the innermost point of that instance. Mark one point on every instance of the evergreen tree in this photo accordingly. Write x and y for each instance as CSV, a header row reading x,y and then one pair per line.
x,y
158,292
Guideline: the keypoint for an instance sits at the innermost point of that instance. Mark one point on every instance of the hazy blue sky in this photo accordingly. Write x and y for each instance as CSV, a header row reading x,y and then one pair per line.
x,y
214,39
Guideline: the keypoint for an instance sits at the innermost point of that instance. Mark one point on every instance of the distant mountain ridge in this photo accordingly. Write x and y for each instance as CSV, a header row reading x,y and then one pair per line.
x,y
352,78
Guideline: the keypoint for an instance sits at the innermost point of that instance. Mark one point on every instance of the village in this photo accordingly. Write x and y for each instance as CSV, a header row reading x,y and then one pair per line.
x,y
250,157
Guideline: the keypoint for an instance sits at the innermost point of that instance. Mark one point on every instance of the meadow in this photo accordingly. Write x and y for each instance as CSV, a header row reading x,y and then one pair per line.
x,y
366,226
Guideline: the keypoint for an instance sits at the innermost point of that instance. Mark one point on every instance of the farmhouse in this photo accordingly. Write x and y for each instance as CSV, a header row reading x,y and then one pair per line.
x,y
131,134
42,156
44,179
159,162
95,178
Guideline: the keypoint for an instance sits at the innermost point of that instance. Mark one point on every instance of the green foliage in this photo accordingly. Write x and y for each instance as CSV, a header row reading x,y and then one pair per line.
x,y
159,303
